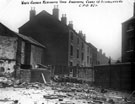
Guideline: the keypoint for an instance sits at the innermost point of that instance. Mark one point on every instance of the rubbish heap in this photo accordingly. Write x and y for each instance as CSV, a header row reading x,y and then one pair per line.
x,y
59,93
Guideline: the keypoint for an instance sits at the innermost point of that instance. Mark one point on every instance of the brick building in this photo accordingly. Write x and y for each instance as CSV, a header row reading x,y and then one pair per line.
x,y
64,45
16,48
91,55
128,39
102,58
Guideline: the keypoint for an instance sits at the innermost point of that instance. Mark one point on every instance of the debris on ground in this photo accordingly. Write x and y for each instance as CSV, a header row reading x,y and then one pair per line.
x,y
60,93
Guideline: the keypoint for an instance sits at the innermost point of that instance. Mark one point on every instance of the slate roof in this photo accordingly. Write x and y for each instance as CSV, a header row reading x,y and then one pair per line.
x,y
29,39
130,19
26,38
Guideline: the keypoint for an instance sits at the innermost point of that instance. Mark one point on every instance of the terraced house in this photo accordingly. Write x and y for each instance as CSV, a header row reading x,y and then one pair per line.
x,y
64,46
128,39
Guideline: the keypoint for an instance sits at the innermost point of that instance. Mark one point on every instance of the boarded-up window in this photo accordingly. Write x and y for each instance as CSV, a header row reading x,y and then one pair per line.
x,y
36,55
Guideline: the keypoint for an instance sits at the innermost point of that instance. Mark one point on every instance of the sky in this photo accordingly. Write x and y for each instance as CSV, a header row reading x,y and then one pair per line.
x,y
101,23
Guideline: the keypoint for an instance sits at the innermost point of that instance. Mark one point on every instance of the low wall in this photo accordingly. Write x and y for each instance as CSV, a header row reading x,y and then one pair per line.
x,y
37,75
83,73
25,75
33,75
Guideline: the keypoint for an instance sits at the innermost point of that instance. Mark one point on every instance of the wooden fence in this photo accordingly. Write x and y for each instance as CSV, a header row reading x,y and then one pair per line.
x,y
117,76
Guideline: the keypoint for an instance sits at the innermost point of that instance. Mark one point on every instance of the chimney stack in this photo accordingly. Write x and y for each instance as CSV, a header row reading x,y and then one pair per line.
x,y
32,12
56,11
100,50
70,24
84,37
81,33
64,19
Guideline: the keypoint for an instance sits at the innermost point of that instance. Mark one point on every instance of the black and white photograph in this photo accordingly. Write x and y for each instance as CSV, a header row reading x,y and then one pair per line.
x,y
67,51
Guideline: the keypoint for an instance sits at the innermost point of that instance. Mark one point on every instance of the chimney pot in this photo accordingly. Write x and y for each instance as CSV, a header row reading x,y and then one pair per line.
x,y
55,6
70,22
81,33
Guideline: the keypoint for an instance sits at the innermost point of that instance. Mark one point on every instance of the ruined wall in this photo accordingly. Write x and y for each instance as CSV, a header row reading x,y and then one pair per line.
x,y
8,48
6,66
